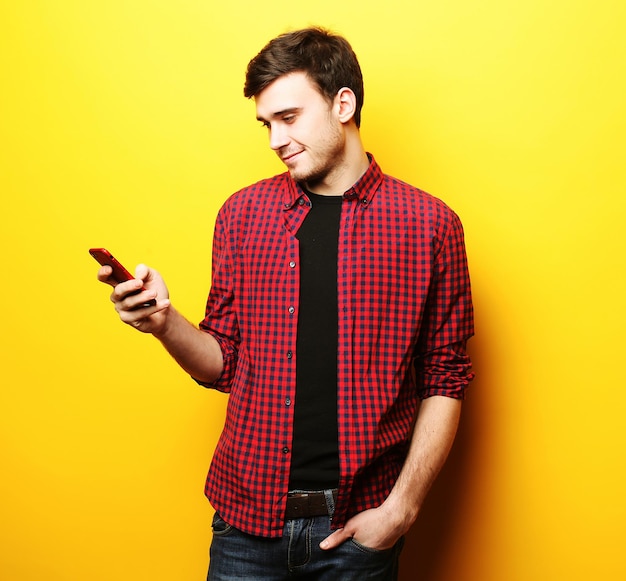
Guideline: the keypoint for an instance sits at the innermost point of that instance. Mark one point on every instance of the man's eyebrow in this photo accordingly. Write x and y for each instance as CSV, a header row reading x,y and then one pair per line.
x,y
280,113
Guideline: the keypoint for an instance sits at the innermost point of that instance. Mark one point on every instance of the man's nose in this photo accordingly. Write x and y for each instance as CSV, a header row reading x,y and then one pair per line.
x,y
278,137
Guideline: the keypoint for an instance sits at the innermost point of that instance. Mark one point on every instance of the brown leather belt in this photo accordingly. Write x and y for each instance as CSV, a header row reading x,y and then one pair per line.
x,y
307,504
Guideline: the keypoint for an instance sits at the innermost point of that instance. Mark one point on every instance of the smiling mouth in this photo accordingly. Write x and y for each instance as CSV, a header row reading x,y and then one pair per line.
x,y
290,157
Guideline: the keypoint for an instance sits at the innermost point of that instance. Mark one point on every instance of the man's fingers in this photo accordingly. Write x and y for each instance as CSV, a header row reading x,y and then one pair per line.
x,y
337,538
104,273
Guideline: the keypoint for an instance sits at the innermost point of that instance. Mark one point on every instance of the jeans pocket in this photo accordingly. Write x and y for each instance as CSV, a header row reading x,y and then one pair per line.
x,y
369,550
220,526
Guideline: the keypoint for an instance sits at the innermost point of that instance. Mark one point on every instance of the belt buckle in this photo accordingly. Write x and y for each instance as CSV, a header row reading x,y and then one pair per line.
x,y
306,505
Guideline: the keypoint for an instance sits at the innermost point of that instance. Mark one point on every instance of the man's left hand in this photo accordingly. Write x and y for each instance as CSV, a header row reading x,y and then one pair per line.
x,y
375,529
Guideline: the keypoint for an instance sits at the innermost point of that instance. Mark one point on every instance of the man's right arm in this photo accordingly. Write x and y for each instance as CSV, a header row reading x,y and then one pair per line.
x,y
197,352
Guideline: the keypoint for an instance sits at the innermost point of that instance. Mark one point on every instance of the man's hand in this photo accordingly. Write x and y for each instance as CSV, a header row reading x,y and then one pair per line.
x,y
377,528
197,352
128,305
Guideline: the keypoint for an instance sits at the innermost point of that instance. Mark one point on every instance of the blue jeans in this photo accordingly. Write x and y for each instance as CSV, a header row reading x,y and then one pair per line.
x,y
296,555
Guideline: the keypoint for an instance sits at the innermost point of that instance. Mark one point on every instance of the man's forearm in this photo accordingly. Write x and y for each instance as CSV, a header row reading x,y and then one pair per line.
x,y
197,352
434,433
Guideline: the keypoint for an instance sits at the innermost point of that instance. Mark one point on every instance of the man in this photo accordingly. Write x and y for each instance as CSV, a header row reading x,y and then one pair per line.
x,y
340,298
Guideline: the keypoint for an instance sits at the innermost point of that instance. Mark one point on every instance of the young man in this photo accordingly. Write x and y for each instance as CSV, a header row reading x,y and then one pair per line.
x,y
340,299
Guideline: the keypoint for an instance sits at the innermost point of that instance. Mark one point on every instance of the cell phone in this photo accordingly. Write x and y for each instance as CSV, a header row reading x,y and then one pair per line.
x,y
119,274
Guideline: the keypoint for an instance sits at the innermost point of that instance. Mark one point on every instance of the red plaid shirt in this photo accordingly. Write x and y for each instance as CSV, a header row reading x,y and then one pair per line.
x,y
404,297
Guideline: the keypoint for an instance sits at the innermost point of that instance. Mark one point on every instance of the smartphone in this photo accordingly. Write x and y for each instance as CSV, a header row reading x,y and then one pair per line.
x,y
119,274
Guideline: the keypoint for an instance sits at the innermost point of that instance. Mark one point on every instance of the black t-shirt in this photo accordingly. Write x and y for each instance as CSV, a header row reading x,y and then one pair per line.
x,y
315,459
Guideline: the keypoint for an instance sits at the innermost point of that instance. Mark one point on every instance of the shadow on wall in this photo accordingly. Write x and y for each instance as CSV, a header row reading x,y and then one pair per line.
x,y
430,544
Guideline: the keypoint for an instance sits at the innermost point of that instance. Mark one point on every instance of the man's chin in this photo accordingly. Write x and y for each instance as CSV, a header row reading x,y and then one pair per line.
x,y
297,176
305,177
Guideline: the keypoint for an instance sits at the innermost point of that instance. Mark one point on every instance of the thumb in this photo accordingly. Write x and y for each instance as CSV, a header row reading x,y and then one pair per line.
x,y
142,271
335,539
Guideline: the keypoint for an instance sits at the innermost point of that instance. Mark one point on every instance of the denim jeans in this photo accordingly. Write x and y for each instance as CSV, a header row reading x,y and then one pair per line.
x,y
296,555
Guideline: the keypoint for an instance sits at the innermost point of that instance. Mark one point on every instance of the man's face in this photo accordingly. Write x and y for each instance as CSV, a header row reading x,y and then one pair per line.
x,y
303,127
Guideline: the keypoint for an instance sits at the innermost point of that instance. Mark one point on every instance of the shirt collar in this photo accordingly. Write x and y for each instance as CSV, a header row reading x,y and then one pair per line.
x,y
363,190
367,185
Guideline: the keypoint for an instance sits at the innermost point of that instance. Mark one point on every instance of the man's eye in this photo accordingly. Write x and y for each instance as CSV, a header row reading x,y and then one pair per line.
x,y
265,124
289,119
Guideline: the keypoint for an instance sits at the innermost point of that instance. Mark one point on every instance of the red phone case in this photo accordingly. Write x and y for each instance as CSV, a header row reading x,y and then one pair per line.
x,y
119,274
105,258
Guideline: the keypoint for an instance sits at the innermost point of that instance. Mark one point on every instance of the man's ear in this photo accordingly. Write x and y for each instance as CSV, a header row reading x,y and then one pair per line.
x,y
345,102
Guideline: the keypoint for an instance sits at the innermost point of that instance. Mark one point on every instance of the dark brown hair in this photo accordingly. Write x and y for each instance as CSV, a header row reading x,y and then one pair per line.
x,y
328,60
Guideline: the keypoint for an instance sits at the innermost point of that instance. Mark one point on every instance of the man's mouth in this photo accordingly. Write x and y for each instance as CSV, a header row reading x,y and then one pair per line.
x,y
290,157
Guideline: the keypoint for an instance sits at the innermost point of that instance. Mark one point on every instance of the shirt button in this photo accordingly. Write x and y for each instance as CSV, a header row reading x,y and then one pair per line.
x,y
289,354
288,402
292,310
292,264
285,450
301,202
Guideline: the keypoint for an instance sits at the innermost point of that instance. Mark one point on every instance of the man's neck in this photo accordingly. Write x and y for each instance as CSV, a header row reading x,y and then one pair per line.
x,y
347,172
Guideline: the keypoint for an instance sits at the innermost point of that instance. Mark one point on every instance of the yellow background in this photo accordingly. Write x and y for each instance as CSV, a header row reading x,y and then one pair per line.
x,y
123,125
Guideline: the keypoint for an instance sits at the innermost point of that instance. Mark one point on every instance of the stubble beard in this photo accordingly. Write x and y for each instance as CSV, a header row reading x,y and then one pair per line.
x,y
329,160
